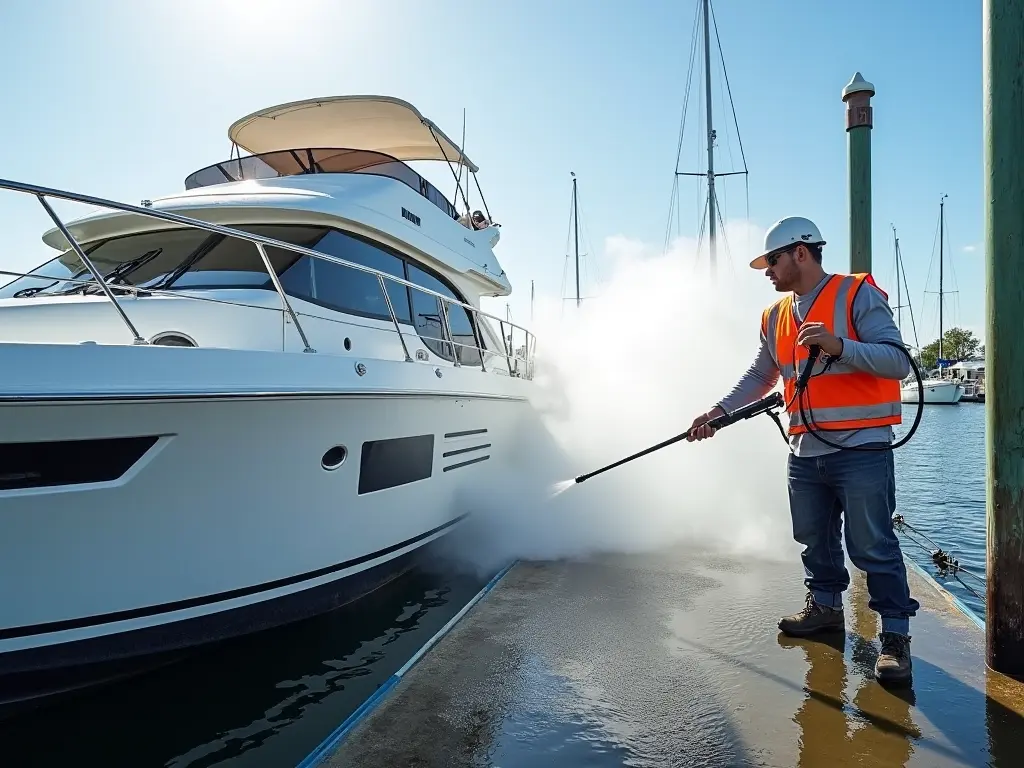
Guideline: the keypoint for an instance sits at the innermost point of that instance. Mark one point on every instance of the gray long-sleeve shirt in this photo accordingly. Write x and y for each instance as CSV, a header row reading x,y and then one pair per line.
x,y
872,317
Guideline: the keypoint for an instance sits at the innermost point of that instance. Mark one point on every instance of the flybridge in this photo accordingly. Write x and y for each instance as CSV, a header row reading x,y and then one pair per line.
x,y
301,161
344,134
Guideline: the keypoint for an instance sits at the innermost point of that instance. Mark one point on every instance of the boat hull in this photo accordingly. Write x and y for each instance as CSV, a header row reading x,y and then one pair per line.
x,y
181,520
935,392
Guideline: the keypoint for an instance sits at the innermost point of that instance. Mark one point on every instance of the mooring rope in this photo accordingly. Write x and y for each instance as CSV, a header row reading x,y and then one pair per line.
x,y
943,560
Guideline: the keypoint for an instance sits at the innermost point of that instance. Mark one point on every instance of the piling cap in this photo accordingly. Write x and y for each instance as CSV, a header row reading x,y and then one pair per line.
x,y
857,85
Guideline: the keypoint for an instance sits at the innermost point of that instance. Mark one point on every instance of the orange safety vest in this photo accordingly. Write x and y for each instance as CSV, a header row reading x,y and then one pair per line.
x,y
843,397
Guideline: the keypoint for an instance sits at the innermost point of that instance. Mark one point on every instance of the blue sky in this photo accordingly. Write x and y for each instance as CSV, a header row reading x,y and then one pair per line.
x,y
123,100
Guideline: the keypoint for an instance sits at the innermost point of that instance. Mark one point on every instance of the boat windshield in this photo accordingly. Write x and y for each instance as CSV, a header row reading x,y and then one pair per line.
x,y
172,258
296,162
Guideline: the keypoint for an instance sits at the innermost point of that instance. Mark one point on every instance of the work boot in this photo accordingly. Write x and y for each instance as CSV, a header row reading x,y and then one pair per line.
x,y
893,665
813,618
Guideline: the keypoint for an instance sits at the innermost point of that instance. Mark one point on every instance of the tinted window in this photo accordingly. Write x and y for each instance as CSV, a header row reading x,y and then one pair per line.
x,y
52,273
427,318
133,260
236,263
349,290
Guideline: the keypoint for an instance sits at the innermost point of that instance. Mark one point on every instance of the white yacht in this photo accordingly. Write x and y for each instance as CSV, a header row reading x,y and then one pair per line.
x,y
195,446
937,391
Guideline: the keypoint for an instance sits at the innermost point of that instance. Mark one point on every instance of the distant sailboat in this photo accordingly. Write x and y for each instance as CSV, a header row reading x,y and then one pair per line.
x,y
575,236
937,390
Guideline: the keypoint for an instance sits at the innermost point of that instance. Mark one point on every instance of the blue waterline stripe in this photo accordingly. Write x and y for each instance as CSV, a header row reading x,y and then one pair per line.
x,y
960,604
328,745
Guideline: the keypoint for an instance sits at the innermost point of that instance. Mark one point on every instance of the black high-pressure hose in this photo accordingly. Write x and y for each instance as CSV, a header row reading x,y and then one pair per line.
x,y
814,429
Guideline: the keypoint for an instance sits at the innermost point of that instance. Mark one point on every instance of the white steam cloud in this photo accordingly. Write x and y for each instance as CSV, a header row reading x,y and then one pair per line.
x,y
629,369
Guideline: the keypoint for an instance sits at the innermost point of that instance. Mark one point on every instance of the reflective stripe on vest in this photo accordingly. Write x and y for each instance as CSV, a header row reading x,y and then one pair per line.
x,y
842,397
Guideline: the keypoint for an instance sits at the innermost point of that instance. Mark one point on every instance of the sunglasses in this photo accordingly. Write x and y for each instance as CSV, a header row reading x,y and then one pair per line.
x,y
773,258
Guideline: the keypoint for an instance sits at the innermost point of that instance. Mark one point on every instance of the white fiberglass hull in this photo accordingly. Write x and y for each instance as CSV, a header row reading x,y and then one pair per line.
x,y
220,519
936,392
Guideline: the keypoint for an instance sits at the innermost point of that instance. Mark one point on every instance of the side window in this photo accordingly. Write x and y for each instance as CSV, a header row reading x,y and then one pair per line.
x,y
428,320
236,263
349,290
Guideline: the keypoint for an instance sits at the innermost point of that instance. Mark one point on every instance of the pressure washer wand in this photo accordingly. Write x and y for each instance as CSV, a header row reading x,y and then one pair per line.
x,y
764,405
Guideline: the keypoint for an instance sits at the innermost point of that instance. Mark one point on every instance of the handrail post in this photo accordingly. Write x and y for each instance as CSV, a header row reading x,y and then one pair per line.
x,y
479,336
531,345
447,329
284,298
505,346
95,273
394,318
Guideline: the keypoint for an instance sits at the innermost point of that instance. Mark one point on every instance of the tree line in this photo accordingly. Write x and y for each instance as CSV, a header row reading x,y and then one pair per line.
x,y
957,344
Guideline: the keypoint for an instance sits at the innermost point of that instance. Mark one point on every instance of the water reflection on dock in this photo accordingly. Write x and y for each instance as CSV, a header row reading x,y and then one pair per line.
x,y
675,659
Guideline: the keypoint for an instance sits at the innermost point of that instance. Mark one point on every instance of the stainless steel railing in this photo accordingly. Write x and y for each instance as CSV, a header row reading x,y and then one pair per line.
x,y
519,359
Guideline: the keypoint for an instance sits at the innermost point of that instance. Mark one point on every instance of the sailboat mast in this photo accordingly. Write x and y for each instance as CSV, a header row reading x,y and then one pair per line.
x,y
576,235
899,300
712,206
942,229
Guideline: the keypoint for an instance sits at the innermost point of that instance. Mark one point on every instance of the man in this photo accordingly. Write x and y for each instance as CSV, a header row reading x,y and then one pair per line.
x,y
852,400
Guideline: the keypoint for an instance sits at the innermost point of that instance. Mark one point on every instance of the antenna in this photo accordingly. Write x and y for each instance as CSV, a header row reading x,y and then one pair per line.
x,y
901,281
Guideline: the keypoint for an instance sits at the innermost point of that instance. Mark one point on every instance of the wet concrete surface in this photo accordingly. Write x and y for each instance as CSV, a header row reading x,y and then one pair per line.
x,y
675,659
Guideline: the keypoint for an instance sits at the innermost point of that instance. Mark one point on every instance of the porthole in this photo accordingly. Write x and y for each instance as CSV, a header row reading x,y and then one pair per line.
x,y
348,343
172,339
334,458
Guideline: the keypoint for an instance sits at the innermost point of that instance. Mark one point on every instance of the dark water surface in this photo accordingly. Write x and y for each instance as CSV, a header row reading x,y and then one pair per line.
x,y
264,700
940,490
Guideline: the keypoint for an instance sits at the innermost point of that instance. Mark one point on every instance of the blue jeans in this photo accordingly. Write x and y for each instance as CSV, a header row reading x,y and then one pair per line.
x,y
858,488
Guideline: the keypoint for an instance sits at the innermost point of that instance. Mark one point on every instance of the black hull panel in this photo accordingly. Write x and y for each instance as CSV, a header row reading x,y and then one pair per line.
x,y
30,677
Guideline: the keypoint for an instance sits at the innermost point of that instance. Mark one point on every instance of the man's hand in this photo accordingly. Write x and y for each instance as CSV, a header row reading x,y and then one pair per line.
x,y
815,333
700,429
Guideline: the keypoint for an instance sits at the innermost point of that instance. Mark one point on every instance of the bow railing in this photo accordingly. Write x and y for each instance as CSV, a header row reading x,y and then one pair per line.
x,y
518,344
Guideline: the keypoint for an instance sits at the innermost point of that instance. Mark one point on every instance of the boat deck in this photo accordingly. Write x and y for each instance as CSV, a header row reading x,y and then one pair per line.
x,y
675,659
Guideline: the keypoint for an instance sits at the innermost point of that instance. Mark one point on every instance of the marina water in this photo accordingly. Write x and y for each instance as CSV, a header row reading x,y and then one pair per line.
x,y
940,490
271,698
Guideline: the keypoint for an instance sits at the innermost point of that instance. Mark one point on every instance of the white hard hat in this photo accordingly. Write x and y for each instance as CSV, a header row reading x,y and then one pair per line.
x,y
784,233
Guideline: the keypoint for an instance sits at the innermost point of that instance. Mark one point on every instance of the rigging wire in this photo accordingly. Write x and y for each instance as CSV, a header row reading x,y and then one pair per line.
x,y
725,240
703,68
682,129
732,103
565,264
952,268
591,254
931,265
910,306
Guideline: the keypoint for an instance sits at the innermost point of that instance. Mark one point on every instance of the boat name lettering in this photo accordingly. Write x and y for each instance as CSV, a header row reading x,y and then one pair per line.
x,y
411,216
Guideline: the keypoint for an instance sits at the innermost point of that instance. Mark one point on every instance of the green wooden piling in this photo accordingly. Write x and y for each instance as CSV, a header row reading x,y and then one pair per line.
x,y
1003,54
859,120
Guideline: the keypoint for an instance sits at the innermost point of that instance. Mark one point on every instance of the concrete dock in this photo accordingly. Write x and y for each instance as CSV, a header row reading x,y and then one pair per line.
x,y
676,659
